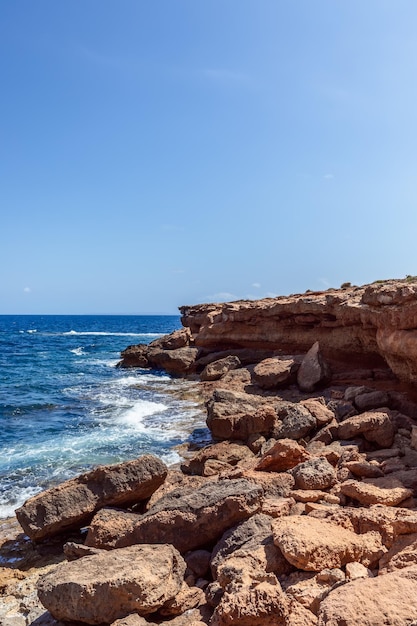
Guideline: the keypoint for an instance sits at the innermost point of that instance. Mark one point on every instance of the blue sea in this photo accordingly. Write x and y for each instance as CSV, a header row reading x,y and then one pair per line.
x,y
65,407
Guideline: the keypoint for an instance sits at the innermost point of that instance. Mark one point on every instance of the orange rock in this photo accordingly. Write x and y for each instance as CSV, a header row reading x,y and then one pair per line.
x,y
284,454
311,544
387,490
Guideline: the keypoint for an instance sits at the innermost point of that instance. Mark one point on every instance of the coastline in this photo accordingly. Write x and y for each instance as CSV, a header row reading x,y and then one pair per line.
x,y
306,501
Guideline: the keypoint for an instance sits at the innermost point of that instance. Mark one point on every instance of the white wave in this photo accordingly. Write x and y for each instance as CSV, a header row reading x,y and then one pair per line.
x,y
104,334
32,330
133,417
78,351
20,496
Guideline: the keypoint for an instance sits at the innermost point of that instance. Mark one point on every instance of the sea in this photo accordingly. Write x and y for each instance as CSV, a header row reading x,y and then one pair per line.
x,y
65,407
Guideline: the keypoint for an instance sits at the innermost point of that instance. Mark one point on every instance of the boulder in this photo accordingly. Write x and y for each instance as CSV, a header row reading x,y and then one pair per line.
x,y
376,426
313,544
275,372
249,541
133,620
284,454
217,369
109,586
265,604
187,520
73,503
388,599
357,570
314,474
295,421
240,425
371,400
402,553
179,361
314,371
135,356
319,410
228,452
387,490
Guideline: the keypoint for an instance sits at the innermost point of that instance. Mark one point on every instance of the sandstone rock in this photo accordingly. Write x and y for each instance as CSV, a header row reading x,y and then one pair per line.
x,y
307,589
179,361
357,570
134,356
133,620
187,520
174,480
177,339
277,507
252,538
403,553
274,484
295,421
387,490
388,599
187,598
75,551
226,451
363,469
376,426
308,495
217,369
311,544
109,586
314,474
319,410
284,454
313,371
389,522
276,371
236,415
73,503
265,604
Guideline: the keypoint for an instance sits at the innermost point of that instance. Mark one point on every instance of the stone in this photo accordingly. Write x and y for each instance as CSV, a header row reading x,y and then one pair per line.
x,y
371,400
252,538
105,587
275,372
198,561
295,421
277,507
179,361
402,553
237,415
376,426
388,491
274,484
312,544
217,369
133,620
187,520
314,474
227,452
319,410
357,570
187,598
264,604
307,589
73,503
308,495
174,480
314,371
388,599
284,455
135,356
363,469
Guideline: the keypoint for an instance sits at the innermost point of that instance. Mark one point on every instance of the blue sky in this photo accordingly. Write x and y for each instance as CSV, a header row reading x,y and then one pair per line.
x,y
161,153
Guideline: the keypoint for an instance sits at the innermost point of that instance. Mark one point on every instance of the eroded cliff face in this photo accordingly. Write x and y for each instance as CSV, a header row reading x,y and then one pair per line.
x,y
371,325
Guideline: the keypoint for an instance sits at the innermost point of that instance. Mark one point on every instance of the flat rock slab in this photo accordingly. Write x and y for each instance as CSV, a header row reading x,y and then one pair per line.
x,y
387,490
313,544
387,599
73,503
104,587
186,520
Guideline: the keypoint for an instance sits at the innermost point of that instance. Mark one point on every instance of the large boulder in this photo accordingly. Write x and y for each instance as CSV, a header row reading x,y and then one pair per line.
x,y
275,372
313,544
73,503
237,415
187,520
388,599
295,421
314,371
104,587
228,453
179,361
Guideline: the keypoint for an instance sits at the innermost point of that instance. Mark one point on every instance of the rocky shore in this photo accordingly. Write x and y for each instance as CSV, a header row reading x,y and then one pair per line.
x,y
303,510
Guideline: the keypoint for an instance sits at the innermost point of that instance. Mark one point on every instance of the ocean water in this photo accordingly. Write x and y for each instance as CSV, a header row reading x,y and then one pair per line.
x,y
65,407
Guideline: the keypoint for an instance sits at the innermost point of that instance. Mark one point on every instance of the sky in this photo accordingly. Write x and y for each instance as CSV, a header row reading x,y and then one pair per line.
x,y
160,153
